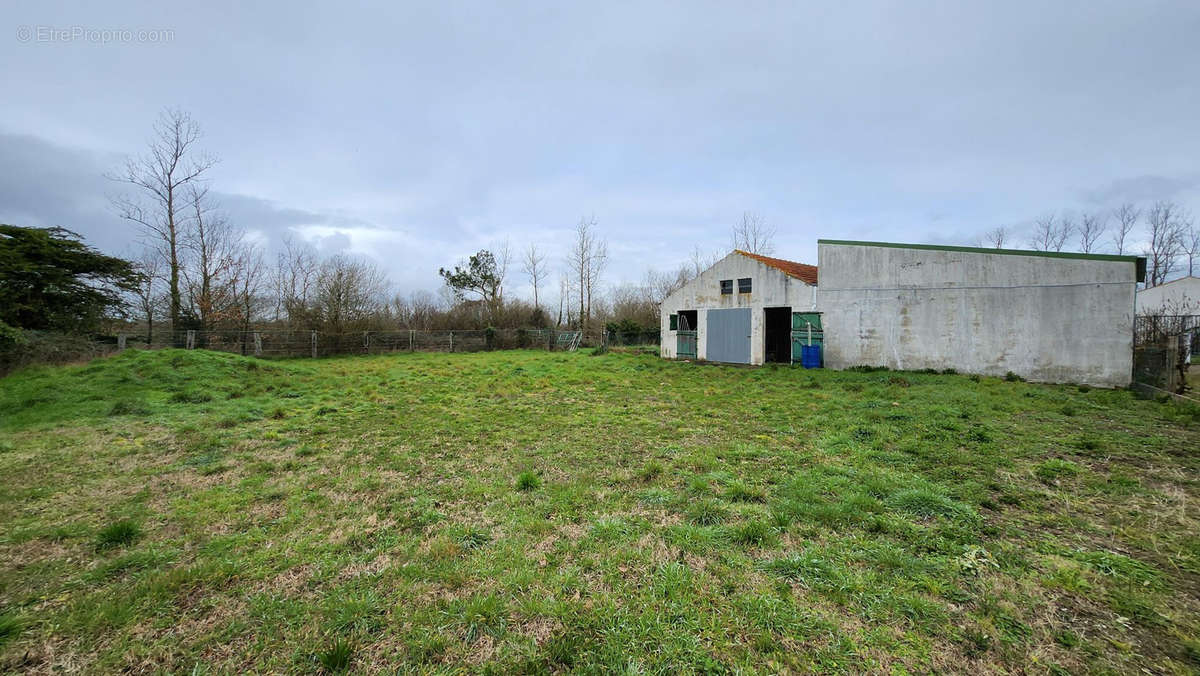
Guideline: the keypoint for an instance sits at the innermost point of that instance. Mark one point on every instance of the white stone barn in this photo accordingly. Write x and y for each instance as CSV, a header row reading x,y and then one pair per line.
x,y
1045,316
738,311
1176,297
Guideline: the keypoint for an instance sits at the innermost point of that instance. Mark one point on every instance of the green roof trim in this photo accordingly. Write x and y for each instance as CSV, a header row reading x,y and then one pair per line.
x,y
1139,261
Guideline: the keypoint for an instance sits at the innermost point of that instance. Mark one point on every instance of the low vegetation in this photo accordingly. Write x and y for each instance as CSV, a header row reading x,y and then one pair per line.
x,y
519,511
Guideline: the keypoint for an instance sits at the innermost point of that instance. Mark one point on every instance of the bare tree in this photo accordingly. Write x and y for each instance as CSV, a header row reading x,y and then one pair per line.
x,y
700,261
503,253
1126,216
149,266
1191,246
752,234
1091,227
293,279
215,246
534,266
1164,228
564,297
162,176
586,260
599,261
1050,234
996,236
348,292
659,285
248,283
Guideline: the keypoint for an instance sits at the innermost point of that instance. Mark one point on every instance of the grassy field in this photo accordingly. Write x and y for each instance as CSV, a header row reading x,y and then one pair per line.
x,y
543,512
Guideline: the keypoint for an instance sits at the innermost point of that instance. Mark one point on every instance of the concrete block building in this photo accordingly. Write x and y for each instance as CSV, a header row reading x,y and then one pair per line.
x,y
1176,297
1045,316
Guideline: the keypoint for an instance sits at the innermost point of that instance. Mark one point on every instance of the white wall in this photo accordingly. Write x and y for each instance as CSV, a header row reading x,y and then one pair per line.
x,y
1048,319
771,288
1178,297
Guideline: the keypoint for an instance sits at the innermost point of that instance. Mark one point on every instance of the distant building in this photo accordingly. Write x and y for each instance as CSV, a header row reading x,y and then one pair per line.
x,y
739,311
1176,297
1045,316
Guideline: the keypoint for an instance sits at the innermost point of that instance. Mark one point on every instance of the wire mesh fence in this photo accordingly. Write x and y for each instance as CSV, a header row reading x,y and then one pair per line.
x,y
1164,347
299,343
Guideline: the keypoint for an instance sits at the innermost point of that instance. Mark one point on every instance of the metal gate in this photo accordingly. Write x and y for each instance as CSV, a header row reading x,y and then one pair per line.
x,y
728,334
685,342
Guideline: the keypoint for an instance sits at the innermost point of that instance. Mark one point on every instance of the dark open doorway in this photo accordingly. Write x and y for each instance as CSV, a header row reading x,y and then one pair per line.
x,y
777,335
687,320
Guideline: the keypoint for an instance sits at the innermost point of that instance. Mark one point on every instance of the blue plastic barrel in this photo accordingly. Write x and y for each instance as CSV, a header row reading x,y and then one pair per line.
x,y
810,356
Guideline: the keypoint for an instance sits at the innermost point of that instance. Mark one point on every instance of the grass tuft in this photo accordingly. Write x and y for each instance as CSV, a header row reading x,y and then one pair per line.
x,y
1055,469
336,658
10,627
707,512
528,481
753,533
118,534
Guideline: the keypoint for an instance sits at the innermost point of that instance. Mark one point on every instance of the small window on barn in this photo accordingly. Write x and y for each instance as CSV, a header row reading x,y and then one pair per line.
x,y
726,286
744,285
674,322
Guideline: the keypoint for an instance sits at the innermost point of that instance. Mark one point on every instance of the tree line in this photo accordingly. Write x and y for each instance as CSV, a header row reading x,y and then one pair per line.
x,y
199,270
1169,236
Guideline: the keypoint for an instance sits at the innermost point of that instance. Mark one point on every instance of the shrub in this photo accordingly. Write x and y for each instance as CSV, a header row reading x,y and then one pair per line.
x,y
1013,378
336,658
528,481
118,534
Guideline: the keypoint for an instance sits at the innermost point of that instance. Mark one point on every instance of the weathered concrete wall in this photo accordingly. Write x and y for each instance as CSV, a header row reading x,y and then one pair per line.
x,y
1177,297
1046,319
771,288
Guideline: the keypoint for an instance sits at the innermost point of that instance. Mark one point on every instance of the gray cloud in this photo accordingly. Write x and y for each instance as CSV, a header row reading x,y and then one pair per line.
x,y
417,134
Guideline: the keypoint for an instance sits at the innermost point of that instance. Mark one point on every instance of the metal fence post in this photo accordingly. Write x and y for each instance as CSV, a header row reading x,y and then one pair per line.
x,y
411,333
257,344
314,344
121,341
367,342
451,341
191,339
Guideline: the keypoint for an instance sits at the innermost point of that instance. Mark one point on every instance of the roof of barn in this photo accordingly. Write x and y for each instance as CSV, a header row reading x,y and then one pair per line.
x,y
802,271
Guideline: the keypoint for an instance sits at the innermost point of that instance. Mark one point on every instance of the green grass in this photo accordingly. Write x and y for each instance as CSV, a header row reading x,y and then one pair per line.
x,y
543,512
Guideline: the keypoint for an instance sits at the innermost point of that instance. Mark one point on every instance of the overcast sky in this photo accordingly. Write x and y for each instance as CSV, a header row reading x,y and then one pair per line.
x,y
420,132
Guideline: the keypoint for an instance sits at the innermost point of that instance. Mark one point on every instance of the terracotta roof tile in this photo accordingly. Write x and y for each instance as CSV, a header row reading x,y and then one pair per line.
x,y
801,271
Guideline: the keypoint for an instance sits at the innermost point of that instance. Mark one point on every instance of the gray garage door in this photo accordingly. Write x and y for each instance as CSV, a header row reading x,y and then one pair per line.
x,y
729,335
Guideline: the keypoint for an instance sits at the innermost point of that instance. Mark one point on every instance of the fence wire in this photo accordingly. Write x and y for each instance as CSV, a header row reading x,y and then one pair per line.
x,y
293,343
